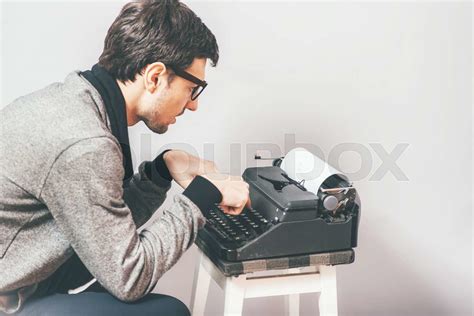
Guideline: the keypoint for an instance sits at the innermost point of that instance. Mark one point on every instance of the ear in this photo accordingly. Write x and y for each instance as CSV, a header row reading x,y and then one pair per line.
x,y
154,75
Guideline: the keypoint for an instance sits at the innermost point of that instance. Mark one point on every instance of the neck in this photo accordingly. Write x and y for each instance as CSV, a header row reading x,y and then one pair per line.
x,y
129,92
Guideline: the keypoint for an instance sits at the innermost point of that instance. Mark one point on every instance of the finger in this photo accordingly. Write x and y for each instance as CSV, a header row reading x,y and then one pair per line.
x,y
239,208
230,210
249,203
236,211
225,208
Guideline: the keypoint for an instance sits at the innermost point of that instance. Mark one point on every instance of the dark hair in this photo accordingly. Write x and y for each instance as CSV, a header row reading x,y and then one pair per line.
x,y
149,31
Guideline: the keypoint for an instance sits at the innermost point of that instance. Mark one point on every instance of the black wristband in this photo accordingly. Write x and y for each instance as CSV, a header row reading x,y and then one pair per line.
x,y
161,166
157,171
203,193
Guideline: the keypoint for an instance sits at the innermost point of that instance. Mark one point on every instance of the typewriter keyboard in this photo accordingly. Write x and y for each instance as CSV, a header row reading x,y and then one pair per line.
x,y
237,228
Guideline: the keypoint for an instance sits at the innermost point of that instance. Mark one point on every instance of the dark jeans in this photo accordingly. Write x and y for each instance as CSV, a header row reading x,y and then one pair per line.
x,y
51,298
102,303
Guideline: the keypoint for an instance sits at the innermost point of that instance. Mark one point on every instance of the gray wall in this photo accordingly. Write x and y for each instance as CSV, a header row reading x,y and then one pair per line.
x,y
377,75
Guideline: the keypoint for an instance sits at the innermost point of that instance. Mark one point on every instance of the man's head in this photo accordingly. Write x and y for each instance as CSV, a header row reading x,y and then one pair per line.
x,y
145,49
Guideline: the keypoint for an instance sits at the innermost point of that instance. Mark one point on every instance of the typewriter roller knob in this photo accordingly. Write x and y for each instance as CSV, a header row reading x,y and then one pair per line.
x,y
277,162
330,202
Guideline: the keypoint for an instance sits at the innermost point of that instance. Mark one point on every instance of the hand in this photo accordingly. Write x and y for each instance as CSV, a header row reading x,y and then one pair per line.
x,y
183,167
235,192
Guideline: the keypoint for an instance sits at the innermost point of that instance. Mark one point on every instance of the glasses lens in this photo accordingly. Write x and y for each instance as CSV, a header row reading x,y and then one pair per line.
x,y
196,92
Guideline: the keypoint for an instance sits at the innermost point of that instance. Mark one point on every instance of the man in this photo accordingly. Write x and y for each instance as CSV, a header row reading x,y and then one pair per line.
x,y
70,204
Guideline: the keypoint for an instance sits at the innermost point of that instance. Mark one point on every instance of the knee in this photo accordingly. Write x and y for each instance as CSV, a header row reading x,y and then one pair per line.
x,y
168,305
180,308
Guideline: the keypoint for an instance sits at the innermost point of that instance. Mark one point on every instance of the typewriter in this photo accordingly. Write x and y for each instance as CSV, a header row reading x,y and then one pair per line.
x,y
285,219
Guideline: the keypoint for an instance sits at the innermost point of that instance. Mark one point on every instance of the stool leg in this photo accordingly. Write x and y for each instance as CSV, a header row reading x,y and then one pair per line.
x,y
234,295
292,304
328,297
201,282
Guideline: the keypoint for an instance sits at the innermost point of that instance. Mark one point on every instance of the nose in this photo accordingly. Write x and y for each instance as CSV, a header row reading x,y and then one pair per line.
x,y
192,105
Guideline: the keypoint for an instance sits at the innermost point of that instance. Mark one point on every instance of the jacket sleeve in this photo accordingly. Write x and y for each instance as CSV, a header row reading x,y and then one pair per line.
x,y
144,196
84,193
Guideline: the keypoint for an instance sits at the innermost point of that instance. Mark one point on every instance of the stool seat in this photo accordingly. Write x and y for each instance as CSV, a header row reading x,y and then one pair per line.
x,y
289,276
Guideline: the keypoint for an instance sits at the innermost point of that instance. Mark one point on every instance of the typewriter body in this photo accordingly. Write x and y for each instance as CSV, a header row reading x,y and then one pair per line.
x,y
285,219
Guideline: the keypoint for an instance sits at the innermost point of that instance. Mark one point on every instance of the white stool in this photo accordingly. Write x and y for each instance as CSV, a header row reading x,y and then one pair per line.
x,y
290,282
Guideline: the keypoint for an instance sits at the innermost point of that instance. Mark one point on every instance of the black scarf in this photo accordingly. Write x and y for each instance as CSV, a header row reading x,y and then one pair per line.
x,y
114,101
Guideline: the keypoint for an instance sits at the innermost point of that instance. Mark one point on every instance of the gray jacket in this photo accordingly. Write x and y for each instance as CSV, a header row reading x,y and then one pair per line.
x,y
61,192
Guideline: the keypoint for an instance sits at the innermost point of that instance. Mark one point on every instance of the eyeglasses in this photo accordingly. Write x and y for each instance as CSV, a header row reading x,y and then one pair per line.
x,y
201,84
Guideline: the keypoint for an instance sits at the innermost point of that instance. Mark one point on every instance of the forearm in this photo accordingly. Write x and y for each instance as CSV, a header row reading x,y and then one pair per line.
x,y
184,167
